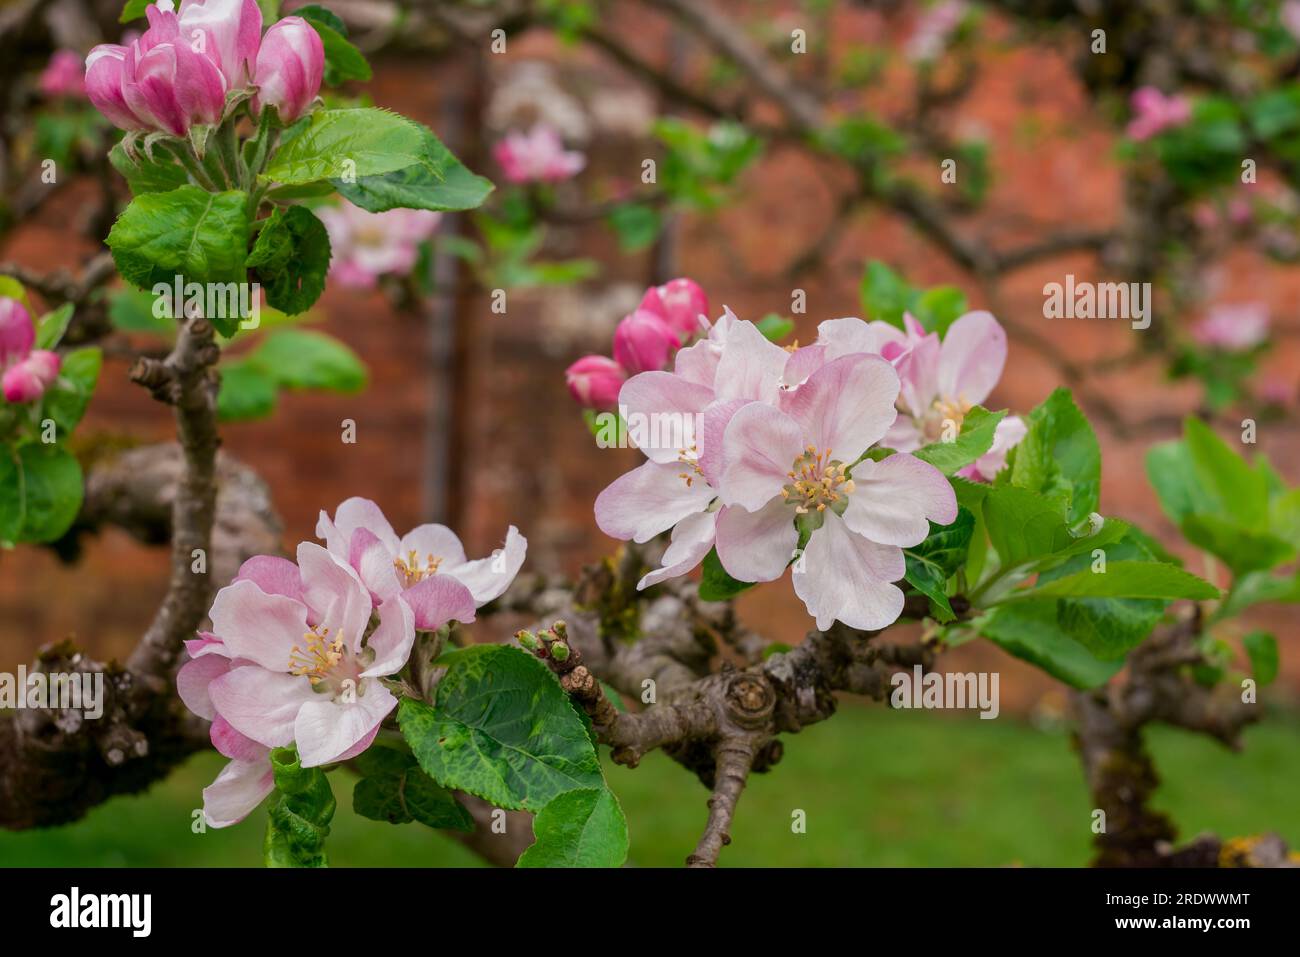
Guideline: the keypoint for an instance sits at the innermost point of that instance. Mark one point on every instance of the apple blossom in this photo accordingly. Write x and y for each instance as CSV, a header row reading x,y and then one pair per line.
x,y
27,372
804,461
231,31
366,245
290,65
594,381
1153,113
537,156
63,75
426,566
680,303
643,342
1236,327
292,657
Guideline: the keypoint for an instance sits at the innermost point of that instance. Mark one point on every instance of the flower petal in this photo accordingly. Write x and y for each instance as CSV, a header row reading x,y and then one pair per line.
x,y
391,641
971,359
240,787
751,365
709,455
487,578
352,514
756,546
232,744
373,563
192,682
758,448
436,540
326,730
844,577
650,499
692,538
260,627
894,500
259,703
272,574
846,405
438,599
660,409
334,593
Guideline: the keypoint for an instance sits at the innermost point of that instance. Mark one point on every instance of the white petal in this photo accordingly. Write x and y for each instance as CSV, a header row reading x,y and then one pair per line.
x,y
842,576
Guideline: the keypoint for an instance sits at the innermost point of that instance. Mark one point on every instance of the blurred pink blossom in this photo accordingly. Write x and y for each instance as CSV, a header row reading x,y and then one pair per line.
x,y
537,156
367,245
1235,327
1153,112
63,76
27,372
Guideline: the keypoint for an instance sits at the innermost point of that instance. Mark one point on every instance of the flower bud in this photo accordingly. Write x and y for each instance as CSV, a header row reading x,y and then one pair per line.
x,y
290,65
679,303
231,32
16,330
29,378
643,342
594,381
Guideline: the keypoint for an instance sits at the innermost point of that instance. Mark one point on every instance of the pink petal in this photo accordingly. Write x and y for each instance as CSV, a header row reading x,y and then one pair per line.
x,y
334,594
240,787
756,546
894,500
691,540
487,578
438,599
260,627
391,641
261,704
193,679
918,372
272,574
326,730
751,366
972,356
650,499
660,410
843,577
804,362
373,562
232,744
845,406
709,448
758,448
354,513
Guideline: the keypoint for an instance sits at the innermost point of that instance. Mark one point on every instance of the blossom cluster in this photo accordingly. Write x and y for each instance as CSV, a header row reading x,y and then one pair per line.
x,y
181,70
299,650
781,471
668,317
26,372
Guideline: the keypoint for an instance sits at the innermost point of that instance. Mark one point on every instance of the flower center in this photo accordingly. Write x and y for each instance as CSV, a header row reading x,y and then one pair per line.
x,y
816,480
316,656
411,570
942,411
690,458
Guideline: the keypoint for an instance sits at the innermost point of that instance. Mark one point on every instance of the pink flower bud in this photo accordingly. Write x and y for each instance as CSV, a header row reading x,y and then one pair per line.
x,y
29,379
594,381
16,330
643,342
231,32
171,87
63,75
290,65
104,69
679,303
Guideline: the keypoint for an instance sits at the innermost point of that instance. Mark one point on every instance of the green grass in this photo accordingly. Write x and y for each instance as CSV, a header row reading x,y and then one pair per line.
x,y
877,787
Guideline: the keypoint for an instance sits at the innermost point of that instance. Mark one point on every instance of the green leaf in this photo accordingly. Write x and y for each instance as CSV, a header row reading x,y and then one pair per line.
x,y
40,492
200,236
1023,525
885,294
291,258
66,402
52,326
394,789
1123,579
583,828
935,560
1030,631
636,225
343,61
716,584
775,328
1171,474
248,391
303,359
131,310
434,180
133,10
1243,551
1239,491
1257,587
162,174
302,806
938,308
501,727
1261,648
1059,456
974,439
338,144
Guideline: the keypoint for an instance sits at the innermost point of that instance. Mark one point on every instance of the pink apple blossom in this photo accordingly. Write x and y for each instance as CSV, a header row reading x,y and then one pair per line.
x,y
802,459
427,566
292,658
27,372
1154,112
231,32
643,342
63,76
1236,327
594,381
680,303
290,65
537,156
365,245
